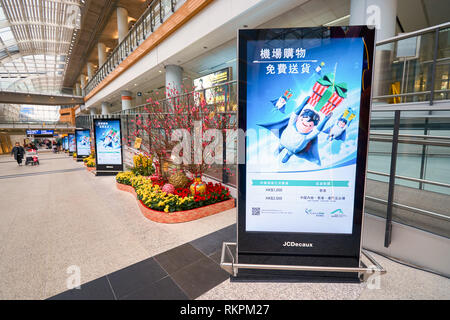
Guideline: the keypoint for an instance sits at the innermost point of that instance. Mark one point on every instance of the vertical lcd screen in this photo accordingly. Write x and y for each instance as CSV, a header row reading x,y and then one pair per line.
x,y
83,142
303,106
108,141
72,146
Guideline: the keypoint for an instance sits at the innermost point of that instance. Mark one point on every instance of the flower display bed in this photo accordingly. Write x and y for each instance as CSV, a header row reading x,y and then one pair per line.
x,y
178,216
188,215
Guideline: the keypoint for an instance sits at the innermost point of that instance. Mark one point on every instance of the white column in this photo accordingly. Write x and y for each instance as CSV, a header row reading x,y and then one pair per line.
x,y
105,108
101,54
174,80
82,83
90,70
122,23
381,13
126,100
92,111
78,89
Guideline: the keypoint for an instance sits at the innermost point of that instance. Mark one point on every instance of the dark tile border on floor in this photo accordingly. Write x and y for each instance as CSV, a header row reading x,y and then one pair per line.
x,y
182,273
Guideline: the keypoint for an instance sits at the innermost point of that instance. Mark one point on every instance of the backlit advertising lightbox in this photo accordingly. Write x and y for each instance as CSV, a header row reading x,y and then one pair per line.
x,y
72,143
82,138
304,100
108,144
65,143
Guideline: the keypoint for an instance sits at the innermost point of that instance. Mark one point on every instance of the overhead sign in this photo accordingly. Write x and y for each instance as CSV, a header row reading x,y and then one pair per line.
x,y
305,108
42,132
108,144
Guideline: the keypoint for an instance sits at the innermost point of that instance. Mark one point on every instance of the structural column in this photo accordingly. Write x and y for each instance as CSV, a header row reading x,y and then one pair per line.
x,y
77,89
82,83
174,79
93,111
382,14
105,108
90,70
101,54
122,23
126,100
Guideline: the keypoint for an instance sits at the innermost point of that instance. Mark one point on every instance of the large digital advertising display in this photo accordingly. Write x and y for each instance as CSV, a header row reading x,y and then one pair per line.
x,y
72,144
65,143
108,144
83,143
303,105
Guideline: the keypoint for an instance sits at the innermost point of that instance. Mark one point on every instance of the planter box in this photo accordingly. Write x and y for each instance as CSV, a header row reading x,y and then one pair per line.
x,y
185,216
90,168
124,187
179,216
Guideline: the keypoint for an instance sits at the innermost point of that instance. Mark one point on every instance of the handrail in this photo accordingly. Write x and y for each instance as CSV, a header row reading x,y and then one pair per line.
x,y
161,101
440,184
412,209
92,83
414,33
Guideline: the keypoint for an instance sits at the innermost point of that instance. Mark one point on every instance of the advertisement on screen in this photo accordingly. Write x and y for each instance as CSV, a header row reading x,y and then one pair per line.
x,y
303,100
71,139
65,143
209,89
108,141
83,142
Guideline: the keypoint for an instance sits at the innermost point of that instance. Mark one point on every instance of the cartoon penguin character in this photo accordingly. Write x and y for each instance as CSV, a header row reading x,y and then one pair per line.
x,y
339,129
280,103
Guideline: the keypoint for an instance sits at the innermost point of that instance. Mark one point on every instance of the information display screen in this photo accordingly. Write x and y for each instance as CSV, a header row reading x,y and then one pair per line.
x,y
83,142
40,132
303,108
108,141
72,145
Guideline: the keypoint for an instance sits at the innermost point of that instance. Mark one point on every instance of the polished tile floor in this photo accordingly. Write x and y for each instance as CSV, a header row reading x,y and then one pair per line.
x,y
57,215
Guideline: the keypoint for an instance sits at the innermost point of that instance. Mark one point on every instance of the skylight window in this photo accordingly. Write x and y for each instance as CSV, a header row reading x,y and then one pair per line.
x,y
34,47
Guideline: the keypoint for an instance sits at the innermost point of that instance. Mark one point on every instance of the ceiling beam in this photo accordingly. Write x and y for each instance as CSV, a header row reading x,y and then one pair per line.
x,y
39,99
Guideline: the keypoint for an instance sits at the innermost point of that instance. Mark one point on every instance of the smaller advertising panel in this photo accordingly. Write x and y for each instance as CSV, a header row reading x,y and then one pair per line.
x,y
83,143
108,144
206,85
65,143
72,146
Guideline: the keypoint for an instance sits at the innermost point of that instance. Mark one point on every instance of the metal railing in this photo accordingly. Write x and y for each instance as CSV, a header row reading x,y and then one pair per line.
x,y
413,67
157,12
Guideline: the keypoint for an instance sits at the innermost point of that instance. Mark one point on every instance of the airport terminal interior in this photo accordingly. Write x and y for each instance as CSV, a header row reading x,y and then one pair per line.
x,y
98,201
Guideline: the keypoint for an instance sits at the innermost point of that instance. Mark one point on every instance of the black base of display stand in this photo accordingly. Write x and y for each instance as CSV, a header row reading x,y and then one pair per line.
x,y
105,173
281,268
266,276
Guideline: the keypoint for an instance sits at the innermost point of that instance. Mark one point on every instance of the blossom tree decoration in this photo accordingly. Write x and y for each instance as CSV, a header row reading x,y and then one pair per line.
x,y
182,110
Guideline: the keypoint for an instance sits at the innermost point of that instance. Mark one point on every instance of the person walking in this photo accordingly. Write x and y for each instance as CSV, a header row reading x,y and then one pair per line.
x,y
18,151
